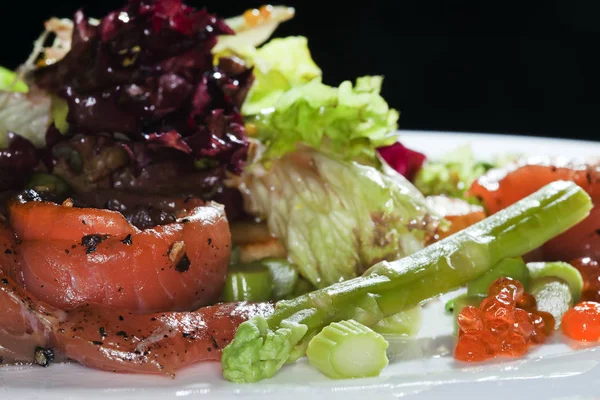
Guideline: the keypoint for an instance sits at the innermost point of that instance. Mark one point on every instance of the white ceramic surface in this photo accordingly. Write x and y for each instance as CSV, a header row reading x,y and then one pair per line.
x,y
419,368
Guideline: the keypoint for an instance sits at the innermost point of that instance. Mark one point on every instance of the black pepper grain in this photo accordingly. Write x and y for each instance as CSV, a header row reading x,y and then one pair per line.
x,y
127,240
91,241
184,264
43,356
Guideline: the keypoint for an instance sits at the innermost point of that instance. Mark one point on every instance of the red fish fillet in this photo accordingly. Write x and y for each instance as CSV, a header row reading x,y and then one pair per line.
x,y
500,188
108,339
69,257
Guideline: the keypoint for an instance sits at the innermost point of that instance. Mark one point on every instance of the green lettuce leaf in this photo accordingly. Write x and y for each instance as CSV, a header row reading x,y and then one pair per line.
x,y
336,218
350,121
10,83
452,174
279,66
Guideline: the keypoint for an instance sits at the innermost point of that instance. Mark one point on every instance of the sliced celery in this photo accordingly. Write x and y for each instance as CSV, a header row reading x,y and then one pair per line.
x,y
552,295
561,270
250,282
556,286
284,275
404,323
348,349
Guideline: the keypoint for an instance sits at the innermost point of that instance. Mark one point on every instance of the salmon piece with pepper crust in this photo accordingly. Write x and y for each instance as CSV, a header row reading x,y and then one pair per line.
x,y
499,188
109,339
69,257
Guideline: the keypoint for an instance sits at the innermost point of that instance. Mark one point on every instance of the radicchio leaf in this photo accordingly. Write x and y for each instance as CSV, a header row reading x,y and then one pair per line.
x,y
405,161
17,161
146,72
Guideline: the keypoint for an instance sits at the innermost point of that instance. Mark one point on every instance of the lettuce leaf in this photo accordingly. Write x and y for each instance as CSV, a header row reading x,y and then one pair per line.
x,y
10,83
336,218
452,174
350,121
278,66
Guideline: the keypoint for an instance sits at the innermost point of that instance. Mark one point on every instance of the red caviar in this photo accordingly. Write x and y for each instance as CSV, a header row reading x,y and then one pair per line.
x,y
582,322
505,324
590,272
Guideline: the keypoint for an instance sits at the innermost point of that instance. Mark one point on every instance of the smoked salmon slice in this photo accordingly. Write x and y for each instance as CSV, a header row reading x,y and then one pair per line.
x,y
499,188
69,257
113,340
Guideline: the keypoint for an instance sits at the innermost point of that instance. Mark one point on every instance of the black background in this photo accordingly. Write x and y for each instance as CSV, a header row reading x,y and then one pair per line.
x,y
481,66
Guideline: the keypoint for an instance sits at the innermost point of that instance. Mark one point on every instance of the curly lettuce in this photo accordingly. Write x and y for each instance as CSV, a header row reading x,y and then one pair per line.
x,y
336,218
350,121
451,175
22,110
278,66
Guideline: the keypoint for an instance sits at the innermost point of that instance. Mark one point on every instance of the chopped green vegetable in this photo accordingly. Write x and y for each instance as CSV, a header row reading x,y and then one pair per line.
x,y
552,295
235,255
248,282
511,267
47,182
556,286
404,323
262,345
59,111
452,174
348,349
284,276
302,287
10,82
561,270
450,304
350,121
336,218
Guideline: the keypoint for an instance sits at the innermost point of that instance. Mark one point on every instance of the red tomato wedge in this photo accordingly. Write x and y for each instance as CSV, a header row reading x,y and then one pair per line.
x,y
500,188
68,264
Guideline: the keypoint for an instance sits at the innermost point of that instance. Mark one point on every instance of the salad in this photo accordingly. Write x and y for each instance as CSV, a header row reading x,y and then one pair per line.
x,y
180,188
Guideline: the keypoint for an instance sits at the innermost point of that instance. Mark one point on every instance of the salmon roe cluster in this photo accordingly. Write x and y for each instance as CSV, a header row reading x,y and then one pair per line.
x,y
506,323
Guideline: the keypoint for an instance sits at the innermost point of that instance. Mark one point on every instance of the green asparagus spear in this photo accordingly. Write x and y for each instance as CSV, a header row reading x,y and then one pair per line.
x,y
262,345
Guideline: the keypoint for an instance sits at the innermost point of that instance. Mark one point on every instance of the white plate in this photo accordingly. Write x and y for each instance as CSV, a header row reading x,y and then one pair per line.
x,y
421,367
